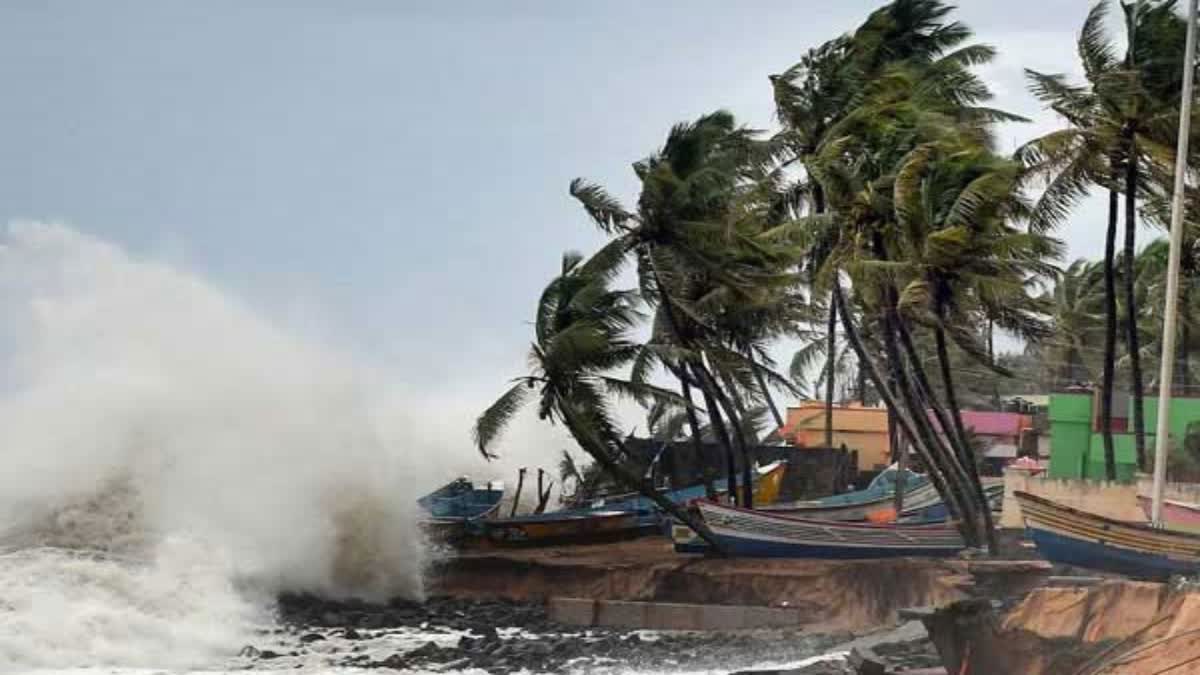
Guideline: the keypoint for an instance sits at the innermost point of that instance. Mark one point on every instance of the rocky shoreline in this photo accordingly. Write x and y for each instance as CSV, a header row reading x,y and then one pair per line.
x,y
500,637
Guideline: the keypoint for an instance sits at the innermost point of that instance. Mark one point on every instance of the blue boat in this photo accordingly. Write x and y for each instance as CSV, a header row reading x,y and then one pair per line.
x,y
863,504
1073,537
767,482
462,500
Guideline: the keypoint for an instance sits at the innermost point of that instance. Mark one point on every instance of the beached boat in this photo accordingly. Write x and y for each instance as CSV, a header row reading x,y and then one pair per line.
x,y
872,503
928,506
1176,514
1073,537
451,507
768,481
761,534
562,527
462,499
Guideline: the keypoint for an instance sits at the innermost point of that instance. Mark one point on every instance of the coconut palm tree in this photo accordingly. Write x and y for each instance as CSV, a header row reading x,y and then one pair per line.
x,y
1076,305
699,265
965,265
916,88
582,335
1120,133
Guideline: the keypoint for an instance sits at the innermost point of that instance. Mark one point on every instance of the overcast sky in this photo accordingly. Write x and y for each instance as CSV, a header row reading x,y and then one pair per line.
x,y
390,175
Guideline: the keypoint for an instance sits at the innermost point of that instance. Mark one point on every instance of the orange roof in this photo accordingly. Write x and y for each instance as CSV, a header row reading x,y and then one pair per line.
x,y
811,416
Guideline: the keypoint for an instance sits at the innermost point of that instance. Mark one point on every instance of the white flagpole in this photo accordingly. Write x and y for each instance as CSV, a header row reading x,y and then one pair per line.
x,y
1167,368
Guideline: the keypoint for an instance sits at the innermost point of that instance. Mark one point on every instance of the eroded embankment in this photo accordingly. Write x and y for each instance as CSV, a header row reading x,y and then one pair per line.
x,y
834,595
1115,627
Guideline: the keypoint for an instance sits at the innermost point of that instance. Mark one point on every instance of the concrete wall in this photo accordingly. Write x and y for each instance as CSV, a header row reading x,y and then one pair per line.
x,y
1184,492
1115,500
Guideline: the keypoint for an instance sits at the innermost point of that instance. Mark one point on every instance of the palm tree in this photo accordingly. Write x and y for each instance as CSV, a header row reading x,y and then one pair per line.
x,y
810,98
1075,305
915,88
692,235
581,335
1120,122
966,265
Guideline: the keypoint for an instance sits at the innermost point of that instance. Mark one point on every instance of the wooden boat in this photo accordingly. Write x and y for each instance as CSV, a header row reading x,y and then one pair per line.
x,y
1178,515
929,507
1073,537
873,503
462,499
760,534
563,527
451,507
768,481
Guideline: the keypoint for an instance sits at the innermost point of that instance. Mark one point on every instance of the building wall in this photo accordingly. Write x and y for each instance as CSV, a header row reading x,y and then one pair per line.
x,y
1184,411
1077,450
863,430
1115,500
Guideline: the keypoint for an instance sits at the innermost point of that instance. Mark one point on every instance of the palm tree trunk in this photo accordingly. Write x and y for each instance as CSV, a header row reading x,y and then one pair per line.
x,y
739,443
830,366
517,495
964,464
901,458
862,387
713,395
1110,338
1131,311
903,420
599,452
1182,375
722,432
697,439
767,398
960,431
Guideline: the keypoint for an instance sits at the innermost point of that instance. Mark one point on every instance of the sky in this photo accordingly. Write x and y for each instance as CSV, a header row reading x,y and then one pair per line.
x,y
390,177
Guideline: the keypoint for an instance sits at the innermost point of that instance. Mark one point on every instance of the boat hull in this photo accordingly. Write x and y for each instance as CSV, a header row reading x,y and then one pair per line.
x,y
1073,537
1177,515
757,534
1067,550
562,529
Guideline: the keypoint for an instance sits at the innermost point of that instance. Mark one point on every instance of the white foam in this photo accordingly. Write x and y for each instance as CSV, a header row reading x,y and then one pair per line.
x,y
149,415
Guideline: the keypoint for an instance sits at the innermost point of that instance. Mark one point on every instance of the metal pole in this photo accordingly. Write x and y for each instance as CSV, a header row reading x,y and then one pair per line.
x,y
1167,367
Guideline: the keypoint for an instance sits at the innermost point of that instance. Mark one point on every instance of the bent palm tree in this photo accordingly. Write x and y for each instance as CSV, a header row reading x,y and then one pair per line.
x,y
581,334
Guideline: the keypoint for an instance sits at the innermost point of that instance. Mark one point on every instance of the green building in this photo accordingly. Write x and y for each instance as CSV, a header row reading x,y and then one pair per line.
x,y
1077,446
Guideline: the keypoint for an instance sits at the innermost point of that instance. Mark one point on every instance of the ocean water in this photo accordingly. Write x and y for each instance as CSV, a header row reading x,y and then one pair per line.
x,y
172,461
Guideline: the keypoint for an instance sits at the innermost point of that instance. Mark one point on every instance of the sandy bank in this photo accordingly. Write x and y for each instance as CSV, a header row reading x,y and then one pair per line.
x,y
830,595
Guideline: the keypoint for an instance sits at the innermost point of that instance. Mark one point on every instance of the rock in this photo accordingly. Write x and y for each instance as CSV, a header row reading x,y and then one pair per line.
x,y
351,634
311,637
371,621
267,655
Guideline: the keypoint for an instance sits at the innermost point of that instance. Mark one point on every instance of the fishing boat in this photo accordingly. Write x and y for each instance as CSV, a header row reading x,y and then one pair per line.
x,y
1178,515
460,498
562,527
768,481
927,506
761,534
1073,537
872,502
449,508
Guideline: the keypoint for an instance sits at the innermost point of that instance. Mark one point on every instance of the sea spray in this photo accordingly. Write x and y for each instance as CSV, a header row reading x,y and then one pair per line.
x,y
146,413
